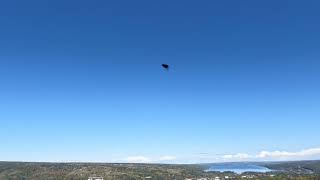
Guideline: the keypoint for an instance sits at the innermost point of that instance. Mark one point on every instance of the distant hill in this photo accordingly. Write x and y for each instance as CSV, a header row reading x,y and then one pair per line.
x,y
81,171
286,167
296,167
57,171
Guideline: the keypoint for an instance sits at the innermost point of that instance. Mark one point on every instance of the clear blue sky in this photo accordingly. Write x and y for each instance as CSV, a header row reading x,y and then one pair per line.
x,y
82,80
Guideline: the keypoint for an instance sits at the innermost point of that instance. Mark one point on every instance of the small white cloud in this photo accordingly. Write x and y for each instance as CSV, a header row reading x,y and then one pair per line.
x,y
229,156
167,158
137,159
275,155
307,153
236,156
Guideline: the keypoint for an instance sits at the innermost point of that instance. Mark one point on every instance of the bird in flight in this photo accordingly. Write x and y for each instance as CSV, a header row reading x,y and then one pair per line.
x,y
165,66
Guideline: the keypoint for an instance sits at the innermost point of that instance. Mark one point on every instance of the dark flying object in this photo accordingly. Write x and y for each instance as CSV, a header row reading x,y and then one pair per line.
x,y
165,66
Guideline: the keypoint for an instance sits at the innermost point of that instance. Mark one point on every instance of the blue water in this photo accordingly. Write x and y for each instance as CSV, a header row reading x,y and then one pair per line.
x,y
238,168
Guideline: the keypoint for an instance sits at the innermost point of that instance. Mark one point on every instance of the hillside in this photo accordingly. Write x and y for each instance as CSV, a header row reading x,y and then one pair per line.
x,y
81,171
296,167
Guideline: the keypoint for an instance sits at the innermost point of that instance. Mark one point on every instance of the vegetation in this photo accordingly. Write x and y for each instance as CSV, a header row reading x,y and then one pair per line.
x,y
57,171
296,167
81,171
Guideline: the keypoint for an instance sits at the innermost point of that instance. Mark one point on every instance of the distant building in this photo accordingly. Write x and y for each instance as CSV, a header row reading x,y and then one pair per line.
x,y
251,176
95,178
217,178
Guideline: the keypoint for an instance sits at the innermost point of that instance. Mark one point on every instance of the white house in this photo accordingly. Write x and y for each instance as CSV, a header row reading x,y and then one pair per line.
x,y
95,178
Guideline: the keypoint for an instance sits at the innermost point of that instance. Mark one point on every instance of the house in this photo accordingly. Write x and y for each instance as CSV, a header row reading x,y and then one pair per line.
x,y
95,178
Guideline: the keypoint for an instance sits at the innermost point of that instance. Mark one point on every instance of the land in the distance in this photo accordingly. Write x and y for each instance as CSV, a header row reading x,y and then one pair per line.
x,y
119,171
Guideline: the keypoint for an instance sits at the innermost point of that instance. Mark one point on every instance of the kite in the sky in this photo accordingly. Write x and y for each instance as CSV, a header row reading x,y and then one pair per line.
x,y
165,66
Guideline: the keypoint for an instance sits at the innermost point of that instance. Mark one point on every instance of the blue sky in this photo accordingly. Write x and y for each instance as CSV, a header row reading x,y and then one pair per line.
x,y
82,80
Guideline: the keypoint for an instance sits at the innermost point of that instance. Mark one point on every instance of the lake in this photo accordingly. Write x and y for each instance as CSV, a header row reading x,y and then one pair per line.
x,y
238,167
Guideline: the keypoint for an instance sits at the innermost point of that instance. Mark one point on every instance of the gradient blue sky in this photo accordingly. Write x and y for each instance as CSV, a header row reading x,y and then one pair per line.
x,y
82,80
